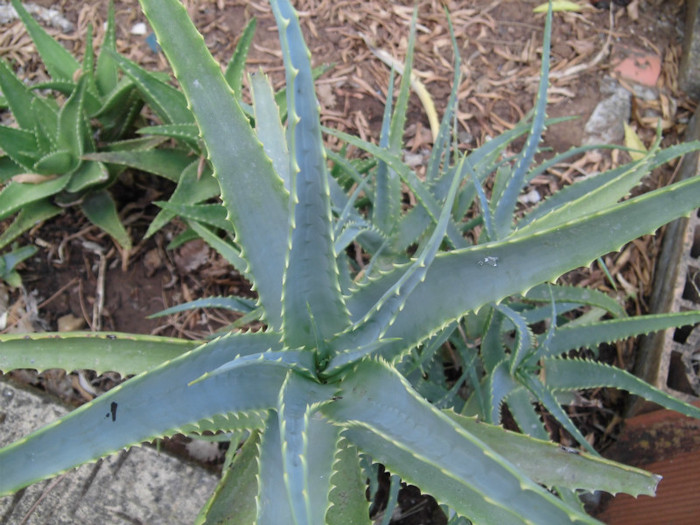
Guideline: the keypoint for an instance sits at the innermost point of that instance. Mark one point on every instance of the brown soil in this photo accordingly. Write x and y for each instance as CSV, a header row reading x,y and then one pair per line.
x,y
500,44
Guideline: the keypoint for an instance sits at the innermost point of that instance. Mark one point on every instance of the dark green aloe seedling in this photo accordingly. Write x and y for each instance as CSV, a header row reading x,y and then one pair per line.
x,y
88,108
329,379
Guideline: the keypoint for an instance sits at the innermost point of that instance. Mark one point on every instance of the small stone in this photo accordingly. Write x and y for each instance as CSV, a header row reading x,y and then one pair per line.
x,y
70,323
605,126
139,29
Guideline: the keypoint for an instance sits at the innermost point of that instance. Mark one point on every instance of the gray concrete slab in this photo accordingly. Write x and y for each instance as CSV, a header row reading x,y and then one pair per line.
x,y
137,486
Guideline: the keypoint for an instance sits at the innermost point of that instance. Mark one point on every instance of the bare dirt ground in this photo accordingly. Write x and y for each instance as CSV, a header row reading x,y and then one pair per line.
x,y
500,45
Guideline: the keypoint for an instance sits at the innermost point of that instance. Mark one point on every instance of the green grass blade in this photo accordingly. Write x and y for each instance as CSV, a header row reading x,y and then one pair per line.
x,y
246,176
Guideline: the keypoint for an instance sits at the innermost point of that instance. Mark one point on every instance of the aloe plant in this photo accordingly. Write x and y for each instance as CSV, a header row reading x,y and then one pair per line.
x,y
88,108
332,377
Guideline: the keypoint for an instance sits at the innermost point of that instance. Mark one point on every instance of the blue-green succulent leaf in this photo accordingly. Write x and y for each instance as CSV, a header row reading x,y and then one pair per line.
x,y
393,424
246,176
311,288
150,405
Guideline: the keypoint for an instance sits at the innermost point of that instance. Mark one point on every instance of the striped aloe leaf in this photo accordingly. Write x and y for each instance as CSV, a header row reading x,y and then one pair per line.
x,y
349,362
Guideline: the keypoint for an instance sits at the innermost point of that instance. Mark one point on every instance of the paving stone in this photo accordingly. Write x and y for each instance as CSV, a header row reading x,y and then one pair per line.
x,y
136,486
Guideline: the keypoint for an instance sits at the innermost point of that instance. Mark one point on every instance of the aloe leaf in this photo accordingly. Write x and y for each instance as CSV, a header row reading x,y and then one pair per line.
x,y
8,168
499,269
386,208
28,217
523,410
119,110
106,72
99,207
168,103
60,161
15,195
19,97
301,361
236,304
523,336
8,263
167,163
386,419
209,214
423,195
552,465
577,374
268,125
233,501
58,61
505,208
311,292
196,184
71,123
591,335
595,193
223,247
20,146
371,327
128,414
273,505
87,174
499,384
545,395
576,294
236,66
439,152
187,133
300,449
349,506
230,423
246,176
123,353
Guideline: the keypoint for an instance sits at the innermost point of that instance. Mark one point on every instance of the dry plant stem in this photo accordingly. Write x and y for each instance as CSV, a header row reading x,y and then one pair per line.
x,y
45,493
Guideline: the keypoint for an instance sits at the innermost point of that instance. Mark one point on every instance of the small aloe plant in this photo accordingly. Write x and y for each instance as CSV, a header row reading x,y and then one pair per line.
x,y
332,378
89,108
